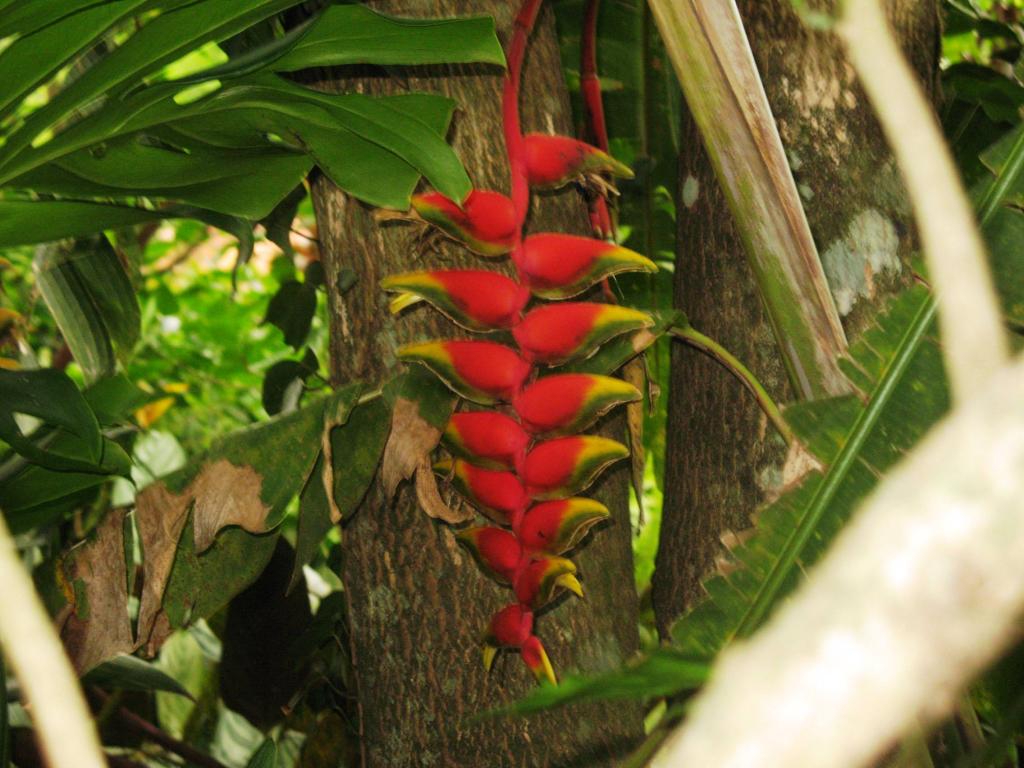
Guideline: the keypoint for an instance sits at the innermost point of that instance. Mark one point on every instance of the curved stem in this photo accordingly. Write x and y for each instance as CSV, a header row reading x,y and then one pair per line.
x,y
63,724
710,347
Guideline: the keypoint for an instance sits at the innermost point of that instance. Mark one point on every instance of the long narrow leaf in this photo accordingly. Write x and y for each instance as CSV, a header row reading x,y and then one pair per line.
x,y
163,39
34,58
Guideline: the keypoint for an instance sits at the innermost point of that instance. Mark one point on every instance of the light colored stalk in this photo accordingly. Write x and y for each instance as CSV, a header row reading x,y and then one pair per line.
x,y
715,66
920,592
694,338
974,340
62,721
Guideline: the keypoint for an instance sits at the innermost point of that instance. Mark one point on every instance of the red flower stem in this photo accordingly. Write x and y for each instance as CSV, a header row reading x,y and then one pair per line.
x,y
510,111
590,85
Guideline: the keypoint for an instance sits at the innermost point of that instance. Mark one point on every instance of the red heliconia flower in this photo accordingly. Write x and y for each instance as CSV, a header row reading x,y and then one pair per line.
x,y
537,661
509,627
557,469
557,333
537,584
499,495
554,161
481,371
487,439
554,527
496,551
567,403
557,266
486,221
512,627
473,298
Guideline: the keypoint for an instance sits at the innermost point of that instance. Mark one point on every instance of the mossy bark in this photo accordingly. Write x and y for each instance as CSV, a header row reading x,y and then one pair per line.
x,y
418,604
722,456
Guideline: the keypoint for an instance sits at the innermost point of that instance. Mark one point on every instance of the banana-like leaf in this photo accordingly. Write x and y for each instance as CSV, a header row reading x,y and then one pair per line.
x,y
160,41
38,54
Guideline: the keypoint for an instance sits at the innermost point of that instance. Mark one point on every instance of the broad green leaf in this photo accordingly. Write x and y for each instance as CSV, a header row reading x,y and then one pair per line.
x,y
114,399
128,673
35,496
353,34
24,222
291,310
37,56
278,223
265,756
195,174
284,382
90,296
662,673
897,364
356,449
50,396
104,277
1004,235
285,109
282,452
160,41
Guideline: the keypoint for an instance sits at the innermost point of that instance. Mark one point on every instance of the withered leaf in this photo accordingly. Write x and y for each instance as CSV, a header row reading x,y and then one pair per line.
x,y
222,494
430,499
226,495
97,628
411,440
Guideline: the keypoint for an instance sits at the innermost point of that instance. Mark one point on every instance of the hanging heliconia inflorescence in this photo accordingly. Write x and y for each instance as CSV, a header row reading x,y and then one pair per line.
x,y
524,463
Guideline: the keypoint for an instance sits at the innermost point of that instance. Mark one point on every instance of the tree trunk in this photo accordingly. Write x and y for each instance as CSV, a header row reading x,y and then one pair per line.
x,y
418,605
722,457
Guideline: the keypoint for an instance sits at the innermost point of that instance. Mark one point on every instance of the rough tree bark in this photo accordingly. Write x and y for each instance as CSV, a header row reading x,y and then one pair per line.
x,y
418,605
722,457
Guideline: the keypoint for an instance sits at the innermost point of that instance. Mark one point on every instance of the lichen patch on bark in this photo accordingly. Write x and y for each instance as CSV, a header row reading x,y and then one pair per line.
x,y
867,250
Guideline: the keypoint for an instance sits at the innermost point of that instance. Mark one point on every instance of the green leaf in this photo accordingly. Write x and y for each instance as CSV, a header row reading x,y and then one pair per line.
x,y
37,55
897,364
160,41
662,673
128,673
291,309
619,351
353,34
265,756
278,223
283,383
91,298
115,398
50,396
282,452
1004,235
188,171
24,222
356,449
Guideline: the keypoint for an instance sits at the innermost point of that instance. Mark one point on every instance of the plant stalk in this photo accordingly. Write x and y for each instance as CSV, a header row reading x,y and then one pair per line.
x,y
715,66
694,338
63,723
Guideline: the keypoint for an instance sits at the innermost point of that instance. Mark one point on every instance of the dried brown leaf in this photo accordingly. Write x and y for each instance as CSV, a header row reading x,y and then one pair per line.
x,y
225,495
222,494
430,498
159,517
98,627
411,440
